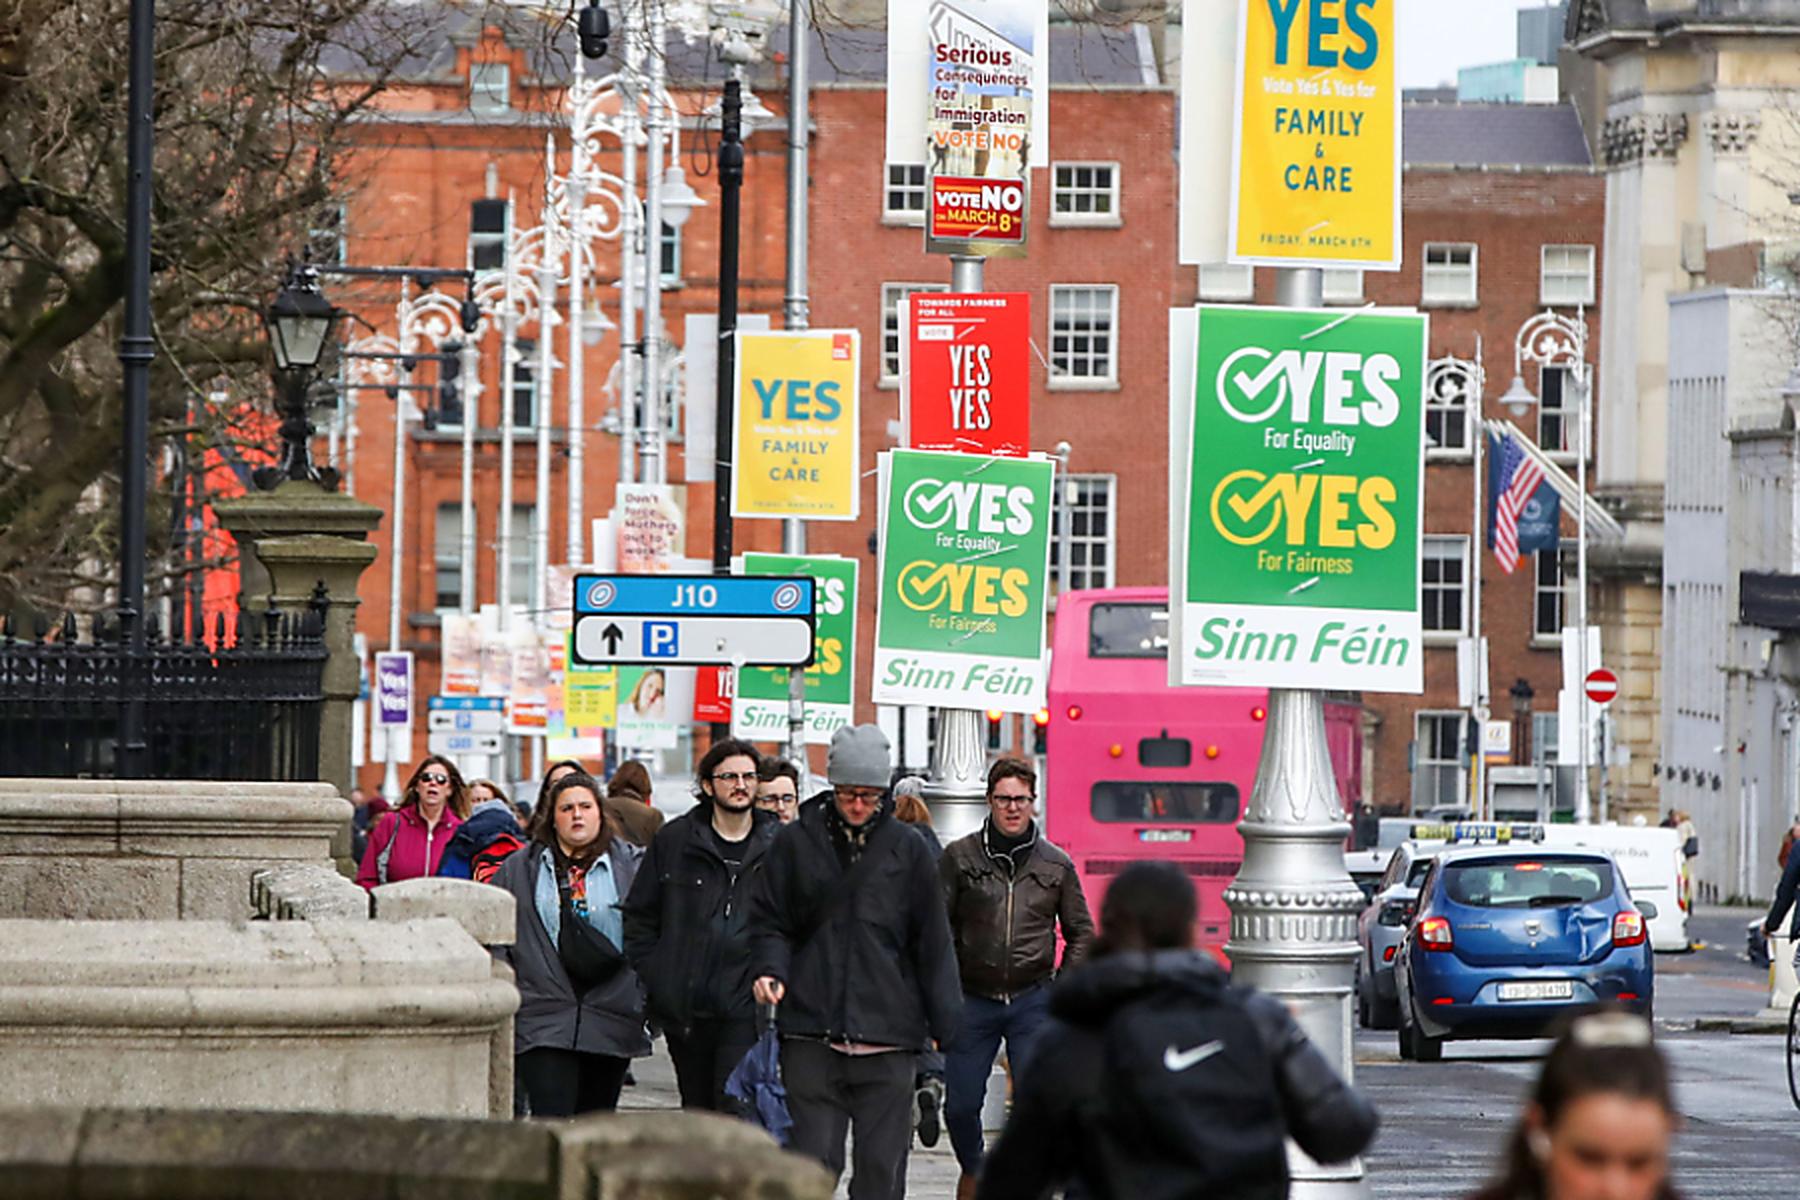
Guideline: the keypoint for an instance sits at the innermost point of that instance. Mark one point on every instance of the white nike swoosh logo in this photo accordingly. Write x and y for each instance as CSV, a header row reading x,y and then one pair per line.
x,y
1181,1060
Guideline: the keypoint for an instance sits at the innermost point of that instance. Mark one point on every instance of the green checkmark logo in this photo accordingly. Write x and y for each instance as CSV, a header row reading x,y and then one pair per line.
x,y
928,582
1239,492
929,502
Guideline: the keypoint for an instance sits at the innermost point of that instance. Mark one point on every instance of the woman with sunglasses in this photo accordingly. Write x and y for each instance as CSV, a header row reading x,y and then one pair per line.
x,y
409,843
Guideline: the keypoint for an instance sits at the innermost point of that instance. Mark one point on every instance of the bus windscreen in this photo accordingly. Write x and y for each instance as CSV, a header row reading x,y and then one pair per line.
x,y
1128,631
1142,802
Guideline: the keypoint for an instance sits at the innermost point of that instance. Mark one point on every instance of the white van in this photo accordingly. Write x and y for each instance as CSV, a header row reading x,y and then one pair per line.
x,y
1651,861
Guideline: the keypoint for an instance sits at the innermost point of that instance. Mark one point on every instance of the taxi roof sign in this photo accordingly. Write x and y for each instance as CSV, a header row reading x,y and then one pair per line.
x,y
1477,832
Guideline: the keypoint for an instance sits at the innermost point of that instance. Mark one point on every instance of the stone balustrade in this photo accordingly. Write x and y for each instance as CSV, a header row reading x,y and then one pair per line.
x,y
322,1016
154,850
306,892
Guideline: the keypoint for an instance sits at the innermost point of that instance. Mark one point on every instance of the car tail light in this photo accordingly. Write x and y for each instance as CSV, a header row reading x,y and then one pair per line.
x,y
1628,929
1628,995
1444,1001
1388,954
1434,933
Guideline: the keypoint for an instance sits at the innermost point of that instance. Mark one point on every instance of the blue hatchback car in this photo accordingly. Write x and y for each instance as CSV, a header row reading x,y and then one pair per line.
x,y
1506,940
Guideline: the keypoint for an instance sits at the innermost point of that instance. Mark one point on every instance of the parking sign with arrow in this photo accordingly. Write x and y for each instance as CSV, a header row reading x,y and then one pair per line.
x,y
694,620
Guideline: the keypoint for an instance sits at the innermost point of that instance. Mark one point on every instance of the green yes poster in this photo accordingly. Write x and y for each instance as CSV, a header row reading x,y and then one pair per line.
x,y
965,557
1298,489
760,711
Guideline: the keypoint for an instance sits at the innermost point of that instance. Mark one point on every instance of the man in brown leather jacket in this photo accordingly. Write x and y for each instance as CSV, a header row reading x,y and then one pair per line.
x,y
1006,889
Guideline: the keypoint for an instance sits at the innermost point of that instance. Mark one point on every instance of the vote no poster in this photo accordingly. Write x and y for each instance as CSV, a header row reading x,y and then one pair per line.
x,y
795,425
1299,484
760,711
965,370
965,559
981,68
1316,142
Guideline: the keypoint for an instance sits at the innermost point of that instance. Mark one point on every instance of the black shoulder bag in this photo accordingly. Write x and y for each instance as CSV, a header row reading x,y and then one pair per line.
x,y
589,956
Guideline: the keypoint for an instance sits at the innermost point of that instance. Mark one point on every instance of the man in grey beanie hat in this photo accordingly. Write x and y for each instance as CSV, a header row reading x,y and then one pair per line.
x,y
862,981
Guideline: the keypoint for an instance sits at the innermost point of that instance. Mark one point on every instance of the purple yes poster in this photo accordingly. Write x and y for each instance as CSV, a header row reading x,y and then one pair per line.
x,y
394,688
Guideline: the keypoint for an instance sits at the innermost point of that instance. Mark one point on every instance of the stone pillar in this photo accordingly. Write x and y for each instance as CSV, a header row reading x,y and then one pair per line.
x,y
292,540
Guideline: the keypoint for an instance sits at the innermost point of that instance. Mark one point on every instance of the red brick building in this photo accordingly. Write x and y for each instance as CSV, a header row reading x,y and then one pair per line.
x,y
1487,189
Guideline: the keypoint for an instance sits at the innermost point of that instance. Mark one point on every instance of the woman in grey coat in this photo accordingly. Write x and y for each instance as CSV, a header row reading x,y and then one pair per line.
x,y
581,1011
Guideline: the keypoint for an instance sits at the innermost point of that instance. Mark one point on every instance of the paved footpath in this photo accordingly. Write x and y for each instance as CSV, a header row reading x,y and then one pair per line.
x,y
930,1174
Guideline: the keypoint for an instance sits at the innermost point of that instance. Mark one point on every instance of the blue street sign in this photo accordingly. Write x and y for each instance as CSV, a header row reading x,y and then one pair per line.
x,y
694,595
468,703
694,620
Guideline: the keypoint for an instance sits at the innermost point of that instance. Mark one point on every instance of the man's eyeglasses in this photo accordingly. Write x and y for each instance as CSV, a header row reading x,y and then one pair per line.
x,y
1015,801
730,777
434,777
866,795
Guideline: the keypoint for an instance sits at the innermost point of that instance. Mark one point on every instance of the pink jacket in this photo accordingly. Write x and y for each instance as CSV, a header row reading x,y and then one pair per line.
x,y
417,849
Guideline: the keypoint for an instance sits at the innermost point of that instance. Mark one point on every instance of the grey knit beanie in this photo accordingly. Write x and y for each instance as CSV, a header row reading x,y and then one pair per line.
x,y
858,758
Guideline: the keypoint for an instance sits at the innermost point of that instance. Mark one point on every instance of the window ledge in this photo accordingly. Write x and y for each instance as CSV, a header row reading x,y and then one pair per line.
x,y
903,220
1221,298
1084,385
1475,303
888,383
1450,456
425,620
673,283
1067,221
1541,641
1443,637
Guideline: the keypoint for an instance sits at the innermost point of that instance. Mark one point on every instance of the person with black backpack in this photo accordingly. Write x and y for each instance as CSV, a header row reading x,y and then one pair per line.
x,y
1157,1078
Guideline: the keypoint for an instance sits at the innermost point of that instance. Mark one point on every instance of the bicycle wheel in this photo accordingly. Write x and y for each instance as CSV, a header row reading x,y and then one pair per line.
x,y
1793,1051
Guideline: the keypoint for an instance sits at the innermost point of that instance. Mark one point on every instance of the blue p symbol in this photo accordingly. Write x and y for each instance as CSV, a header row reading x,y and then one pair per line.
x,y
661,639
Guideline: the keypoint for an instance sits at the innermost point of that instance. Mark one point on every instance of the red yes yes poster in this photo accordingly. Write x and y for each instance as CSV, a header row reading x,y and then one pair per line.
x,y
967,372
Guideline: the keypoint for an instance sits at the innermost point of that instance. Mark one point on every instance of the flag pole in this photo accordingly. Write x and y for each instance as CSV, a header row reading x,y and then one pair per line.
x,y
1475,399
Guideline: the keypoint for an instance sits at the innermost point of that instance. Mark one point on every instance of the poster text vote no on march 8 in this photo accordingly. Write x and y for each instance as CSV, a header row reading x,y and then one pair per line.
x,y
1301,480
1316,162
796,425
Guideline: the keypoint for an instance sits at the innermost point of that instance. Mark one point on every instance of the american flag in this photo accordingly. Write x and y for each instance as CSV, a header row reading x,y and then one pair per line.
x,y
1518,477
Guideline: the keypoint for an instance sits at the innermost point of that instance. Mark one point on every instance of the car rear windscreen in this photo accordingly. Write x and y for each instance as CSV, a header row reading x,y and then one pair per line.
x,y
1128,631
1142,802
1528,883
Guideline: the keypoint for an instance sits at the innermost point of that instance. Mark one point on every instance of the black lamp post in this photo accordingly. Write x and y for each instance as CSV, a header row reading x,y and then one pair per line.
x,y
300,323
731,184
136,350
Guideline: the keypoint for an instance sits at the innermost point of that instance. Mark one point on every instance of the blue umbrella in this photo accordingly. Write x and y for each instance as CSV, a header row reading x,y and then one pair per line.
x,y
755,1083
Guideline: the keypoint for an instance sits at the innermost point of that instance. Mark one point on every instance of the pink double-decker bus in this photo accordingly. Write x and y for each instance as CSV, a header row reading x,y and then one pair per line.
x,y
1136,769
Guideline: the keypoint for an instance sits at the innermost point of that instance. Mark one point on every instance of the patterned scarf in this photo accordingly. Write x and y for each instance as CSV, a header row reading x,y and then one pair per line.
x,y
847,839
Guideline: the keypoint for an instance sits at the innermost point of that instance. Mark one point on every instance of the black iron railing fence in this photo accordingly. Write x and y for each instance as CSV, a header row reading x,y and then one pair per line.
x,y
241,701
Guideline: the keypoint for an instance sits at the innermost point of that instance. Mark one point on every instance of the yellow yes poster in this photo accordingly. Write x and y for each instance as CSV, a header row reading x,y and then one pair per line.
x,y
796,425
1316,143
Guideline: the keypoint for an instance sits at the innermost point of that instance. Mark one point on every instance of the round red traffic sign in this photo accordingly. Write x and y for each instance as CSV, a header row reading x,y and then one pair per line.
x,y
1602,685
